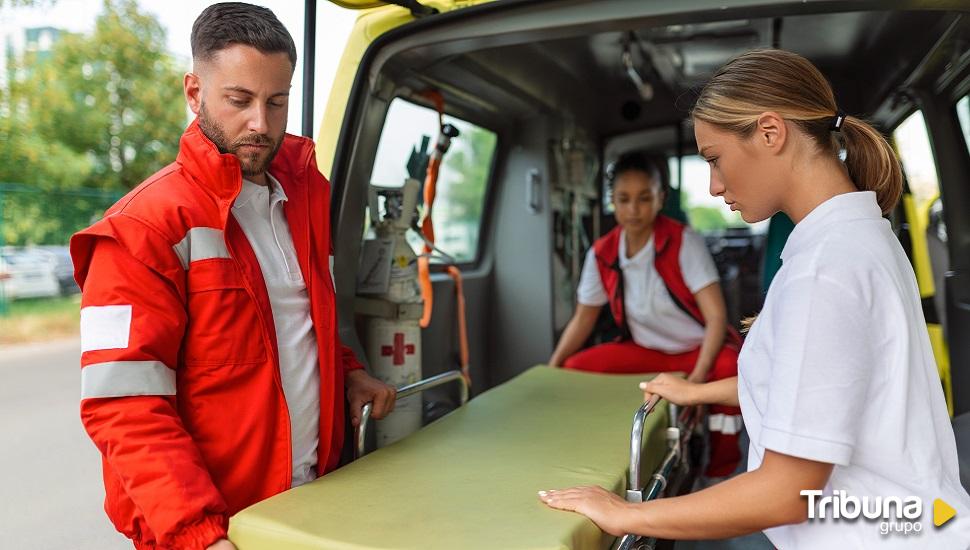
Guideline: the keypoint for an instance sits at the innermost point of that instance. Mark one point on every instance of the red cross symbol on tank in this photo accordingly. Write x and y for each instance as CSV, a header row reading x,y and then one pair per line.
x,y
398,350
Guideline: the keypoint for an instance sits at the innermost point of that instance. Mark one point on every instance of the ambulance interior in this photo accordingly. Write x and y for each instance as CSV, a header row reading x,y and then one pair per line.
x,y
551,97
551,93
545,96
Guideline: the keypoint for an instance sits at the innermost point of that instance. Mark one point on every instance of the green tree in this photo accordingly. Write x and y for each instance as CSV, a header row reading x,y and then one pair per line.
x,y
23,3
704,219
113,98
84,122
467,166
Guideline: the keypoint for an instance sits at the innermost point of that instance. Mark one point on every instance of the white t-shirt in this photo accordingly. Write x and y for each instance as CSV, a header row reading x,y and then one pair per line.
x,y
654,319
838,368
259,210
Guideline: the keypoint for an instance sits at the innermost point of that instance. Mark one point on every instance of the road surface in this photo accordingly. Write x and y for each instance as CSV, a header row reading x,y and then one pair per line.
x,y
51,495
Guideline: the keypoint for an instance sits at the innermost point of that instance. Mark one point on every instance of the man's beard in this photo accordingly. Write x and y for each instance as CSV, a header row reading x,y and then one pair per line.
x,y
250,163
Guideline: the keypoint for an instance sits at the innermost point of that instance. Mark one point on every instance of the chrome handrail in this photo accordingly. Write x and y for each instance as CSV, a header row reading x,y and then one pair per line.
x,y
636,447
360,436
683,422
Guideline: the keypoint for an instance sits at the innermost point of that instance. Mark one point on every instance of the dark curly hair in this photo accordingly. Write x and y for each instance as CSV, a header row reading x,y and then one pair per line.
x,y
652,165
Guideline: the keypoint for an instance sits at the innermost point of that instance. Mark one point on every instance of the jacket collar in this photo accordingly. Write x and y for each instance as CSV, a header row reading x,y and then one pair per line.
x,y
220,175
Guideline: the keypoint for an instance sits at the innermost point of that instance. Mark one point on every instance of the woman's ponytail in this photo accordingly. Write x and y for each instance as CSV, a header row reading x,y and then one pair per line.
x,y
872,163
787,83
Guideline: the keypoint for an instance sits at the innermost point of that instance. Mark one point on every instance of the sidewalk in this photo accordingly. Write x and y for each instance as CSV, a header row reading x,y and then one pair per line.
x,y
50,471
10,353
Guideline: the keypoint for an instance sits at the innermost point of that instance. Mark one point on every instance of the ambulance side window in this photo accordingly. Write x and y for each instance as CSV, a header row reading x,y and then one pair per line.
x,y
963,114
913,146
462,179
705,213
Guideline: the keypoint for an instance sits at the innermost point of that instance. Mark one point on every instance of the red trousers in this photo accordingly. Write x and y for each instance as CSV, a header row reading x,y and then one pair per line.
x,y
627,357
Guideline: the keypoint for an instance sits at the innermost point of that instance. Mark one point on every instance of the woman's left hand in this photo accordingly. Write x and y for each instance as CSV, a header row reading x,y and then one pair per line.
x,y
603,507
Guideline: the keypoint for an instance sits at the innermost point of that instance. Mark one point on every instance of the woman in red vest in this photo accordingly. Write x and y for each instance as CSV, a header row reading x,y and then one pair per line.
x,y
661,285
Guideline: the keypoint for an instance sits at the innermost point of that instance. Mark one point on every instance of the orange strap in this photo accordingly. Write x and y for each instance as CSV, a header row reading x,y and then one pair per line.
x,y
462,325
427,226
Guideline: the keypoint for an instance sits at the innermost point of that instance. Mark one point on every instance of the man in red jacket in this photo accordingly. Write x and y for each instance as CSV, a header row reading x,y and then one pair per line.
x,y
212,374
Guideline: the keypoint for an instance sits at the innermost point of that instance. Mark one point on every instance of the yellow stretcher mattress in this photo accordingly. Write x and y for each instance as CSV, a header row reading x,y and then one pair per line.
x,y
469,480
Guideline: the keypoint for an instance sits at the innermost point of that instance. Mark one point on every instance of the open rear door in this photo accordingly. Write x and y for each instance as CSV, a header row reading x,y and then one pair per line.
x,y
418,9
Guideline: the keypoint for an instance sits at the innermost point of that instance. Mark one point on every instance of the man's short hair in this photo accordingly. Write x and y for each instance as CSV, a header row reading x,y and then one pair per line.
x,y
222,25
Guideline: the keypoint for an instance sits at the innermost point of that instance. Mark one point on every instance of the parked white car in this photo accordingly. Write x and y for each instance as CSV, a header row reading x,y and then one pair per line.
x,y
26,273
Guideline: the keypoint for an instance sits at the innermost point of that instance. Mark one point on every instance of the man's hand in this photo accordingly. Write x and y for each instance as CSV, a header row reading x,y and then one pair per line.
x,y
221,544
603,507
672,388
362,388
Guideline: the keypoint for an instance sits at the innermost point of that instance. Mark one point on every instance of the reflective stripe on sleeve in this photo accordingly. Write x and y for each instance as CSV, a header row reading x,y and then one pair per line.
x,y
126,378
725,423
105,327
201,243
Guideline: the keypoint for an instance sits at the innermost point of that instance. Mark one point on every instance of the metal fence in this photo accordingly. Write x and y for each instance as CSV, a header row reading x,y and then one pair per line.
x,y
33,216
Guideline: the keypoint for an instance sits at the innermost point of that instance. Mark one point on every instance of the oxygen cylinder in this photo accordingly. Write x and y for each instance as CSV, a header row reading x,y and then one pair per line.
x,y
393,339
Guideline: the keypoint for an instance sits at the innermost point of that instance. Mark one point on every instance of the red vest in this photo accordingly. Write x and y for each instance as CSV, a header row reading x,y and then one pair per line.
x,y
667,238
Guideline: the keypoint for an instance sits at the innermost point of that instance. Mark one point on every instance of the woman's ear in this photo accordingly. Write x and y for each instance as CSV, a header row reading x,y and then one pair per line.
x,y
771,131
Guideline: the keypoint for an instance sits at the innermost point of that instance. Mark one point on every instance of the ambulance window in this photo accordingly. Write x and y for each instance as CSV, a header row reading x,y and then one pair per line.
x,y
963,113
913,146
705,213
462,179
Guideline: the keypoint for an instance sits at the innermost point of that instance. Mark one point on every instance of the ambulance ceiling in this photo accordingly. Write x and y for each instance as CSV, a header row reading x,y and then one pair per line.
x,y
594,77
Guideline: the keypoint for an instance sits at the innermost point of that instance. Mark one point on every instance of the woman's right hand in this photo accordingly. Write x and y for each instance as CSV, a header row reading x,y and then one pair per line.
x,y
675,389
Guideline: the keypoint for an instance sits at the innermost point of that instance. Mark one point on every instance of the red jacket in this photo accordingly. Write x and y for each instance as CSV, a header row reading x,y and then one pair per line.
x,y
180,375
668,235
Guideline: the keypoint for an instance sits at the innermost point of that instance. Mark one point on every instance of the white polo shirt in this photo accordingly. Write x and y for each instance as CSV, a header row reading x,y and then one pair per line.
x,y
654,320
838,368
259,210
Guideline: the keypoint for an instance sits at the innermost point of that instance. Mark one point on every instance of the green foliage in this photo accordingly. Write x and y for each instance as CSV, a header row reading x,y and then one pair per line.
x,y
98,112
24,3
705,219
112,98
468,164
32,216
462,182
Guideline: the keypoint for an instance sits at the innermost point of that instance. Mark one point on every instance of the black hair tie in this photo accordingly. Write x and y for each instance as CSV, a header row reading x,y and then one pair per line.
x,y
837,121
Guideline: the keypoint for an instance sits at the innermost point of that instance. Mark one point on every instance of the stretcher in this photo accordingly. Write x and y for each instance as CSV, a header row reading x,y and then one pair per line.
x,y
470,479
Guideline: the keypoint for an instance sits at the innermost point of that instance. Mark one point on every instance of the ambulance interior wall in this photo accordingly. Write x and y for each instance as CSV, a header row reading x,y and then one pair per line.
x,y
520,334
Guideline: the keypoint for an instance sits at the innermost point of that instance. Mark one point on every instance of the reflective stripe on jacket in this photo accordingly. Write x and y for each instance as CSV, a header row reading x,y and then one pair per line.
x,y
180,378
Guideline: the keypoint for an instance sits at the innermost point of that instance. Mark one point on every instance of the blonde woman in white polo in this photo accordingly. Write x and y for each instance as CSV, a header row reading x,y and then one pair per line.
x,y
836,380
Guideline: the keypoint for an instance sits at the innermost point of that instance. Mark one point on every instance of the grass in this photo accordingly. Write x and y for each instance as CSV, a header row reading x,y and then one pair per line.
x,y
40,319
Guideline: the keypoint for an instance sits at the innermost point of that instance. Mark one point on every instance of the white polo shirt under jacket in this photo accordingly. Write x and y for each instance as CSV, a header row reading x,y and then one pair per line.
x,y
838,368
259,210
654,320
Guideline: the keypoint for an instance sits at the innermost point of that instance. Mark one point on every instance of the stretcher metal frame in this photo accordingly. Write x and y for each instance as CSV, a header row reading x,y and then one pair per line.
x,y
360,435
672,470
